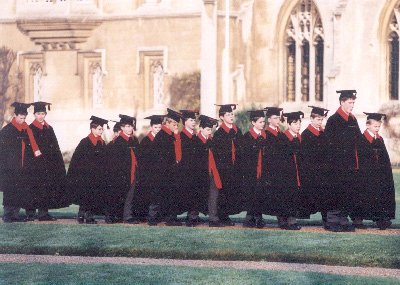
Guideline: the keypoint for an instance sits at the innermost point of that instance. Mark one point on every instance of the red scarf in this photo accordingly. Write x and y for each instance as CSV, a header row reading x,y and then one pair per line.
x,y
290,137
370,138
343,114
272,131
227,130
212,166
259,160
133,157
314,130
187,133
150,136
93,139
24,126
39,125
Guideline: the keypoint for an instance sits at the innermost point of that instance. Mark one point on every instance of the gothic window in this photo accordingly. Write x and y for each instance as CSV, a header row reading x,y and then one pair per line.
x,y
97,85
158,83
37,77
304,54
394,56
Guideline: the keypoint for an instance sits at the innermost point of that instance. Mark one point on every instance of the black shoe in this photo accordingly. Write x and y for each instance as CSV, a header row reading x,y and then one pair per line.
x,y
383,225
333,228
80,219
349,228
132,221
228,222
249,223
7,220
260,224
29,218
173,223
152,222
91,221
217,224
47,218
109,220
192,223
360,226
294,227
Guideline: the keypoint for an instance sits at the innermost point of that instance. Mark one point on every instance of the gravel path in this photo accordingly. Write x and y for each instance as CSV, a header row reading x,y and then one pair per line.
x,y
342,270
269,227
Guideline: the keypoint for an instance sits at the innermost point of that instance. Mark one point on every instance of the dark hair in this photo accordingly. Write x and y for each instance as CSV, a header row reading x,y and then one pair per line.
x,y
344,99
290,121
94,125
255,119
370,121
315,115
21,113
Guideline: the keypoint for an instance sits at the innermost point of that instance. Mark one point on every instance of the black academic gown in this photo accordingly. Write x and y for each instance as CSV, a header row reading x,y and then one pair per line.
x,y
284,191
166,173
120,170
15,168
253,147
49,181
343,136
146,186
87,176
203,172
226,142
191,171
314,169
376,196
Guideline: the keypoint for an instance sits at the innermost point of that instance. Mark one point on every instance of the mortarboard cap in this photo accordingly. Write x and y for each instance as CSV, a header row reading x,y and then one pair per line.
x,y
155,119
21,108
174,115
319,111
98,121
207,122
188,114
127,120
41,106
226,108
347,94
273,111
256,114
294,115
375,116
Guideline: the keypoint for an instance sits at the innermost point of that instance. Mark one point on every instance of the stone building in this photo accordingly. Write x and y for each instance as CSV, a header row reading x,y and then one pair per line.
x,y
106,57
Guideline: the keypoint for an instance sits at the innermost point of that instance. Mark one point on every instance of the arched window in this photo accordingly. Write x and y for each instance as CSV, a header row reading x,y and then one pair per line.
x,y
37,77
394,55
304,54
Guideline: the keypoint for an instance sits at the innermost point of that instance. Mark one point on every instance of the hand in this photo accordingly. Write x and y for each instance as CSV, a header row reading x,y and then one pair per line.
x,y
38,153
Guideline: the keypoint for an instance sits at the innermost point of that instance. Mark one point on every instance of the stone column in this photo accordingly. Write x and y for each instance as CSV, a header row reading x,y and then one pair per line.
x,y
208,96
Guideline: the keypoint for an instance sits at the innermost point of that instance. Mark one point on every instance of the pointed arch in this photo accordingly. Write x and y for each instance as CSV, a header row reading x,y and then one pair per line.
x,y
300,38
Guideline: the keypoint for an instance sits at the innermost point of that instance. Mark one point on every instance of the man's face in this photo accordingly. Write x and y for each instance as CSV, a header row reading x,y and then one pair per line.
x,y
228,118
127,129
259,124
206,132
317,121
190,124
20,118
348,105
295,126
155,128
374,126
172,125
274,121
97,132
40,116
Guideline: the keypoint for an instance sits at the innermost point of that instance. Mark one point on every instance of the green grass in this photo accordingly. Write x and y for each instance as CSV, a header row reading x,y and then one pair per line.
x,y
201,243
150,274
